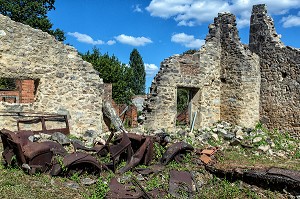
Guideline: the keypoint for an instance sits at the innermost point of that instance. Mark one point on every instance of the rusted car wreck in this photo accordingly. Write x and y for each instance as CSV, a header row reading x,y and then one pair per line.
x,y
27,150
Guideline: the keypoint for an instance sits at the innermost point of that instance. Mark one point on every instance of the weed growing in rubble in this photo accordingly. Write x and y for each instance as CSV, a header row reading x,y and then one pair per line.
x,y
297,155
75,177
60,161
222,189
101,190
153,183
214,143
177,166
158,150
157,182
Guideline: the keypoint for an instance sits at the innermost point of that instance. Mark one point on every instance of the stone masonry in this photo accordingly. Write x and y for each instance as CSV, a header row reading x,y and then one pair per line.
x,y
231,81
65,84
280,74
223,75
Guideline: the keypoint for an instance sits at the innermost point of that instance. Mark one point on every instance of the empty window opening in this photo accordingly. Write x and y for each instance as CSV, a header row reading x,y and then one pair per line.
x,y
18,90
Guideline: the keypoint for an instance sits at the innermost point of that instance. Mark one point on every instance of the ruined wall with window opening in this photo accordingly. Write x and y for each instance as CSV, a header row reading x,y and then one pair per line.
x,y
179,72
63,82
225,72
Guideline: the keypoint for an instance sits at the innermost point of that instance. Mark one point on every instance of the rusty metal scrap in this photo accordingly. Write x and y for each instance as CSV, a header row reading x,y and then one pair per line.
x,y
37,155
272,178
96,148
180,181
144,152
76,162
42,119
117,190
117,149
175,149
295,175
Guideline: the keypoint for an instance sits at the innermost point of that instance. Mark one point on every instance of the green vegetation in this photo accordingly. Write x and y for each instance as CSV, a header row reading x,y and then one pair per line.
x,y
100,191
138,71
222,188
123,78
155,182
158,151
182,99
32,13
6,83
191,51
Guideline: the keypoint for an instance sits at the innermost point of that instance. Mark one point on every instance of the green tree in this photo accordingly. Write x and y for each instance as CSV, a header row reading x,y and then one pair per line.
x,y
32,13
112,71
139,75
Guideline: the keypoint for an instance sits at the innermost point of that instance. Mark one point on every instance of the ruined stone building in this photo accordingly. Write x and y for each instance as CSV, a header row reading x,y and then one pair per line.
x,y
226,80
230,81
58,81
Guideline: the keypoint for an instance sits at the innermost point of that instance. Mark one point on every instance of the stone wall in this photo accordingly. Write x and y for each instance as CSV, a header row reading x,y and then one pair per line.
x,y
280,74
66,84
223,74
240,76
237,83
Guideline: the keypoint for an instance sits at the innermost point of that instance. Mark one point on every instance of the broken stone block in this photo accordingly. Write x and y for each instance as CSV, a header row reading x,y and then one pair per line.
x,y
257,139
60,138
264,148
239,134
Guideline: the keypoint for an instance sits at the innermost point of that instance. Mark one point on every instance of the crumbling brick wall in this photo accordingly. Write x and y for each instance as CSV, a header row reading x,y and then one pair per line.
x,y
26,89
66,84
280,74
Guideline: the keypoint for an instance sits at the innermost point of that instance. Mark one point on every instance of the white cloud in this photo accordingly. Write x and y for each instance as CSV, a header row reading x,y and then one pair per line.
x,y
188,41
133,41
195,12
151,69
85,38
291,21
137,8
111,42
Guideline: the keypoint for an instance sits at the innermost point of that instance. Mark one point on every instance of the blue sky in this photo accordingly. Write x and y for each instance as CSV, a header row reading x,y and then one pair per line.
x,y
159,29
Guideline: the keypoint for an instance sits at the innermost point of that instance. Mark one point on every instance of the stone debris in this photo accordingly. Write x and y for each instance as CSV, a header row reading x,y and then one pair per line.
x,y
60,138
87,181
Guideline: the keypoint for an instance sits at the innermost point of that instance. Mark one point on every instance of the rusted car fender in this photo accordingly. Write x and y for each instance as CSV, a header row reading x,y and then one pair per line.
x,y
175,149
76,162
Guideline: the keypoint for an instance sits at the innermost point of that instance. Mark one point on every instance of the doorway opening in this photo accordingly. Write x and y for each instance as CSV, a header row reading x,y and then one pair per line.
x,y
187,105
